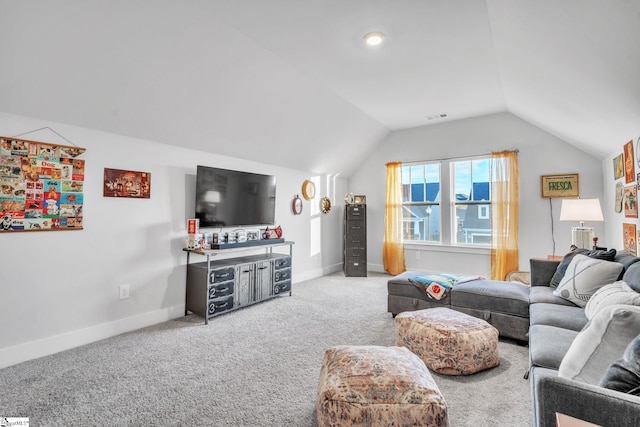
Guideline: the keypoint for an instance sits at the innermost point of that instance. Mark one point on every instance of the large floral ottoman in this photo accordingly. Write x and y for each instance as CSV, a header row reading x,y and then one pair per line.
x,y
448,341
377,386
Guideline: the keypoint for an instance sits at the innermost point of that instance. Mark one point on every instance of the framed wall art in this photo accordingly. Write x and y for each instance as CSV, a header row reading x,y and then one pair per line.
x,y
565,186
629,238
618,167
629,163
630,201
125,183
41,186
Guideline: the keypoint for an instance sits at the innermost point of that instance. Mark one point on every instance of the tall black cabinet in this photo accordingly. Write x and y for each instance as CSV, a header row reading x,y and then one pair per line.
x,y
355,240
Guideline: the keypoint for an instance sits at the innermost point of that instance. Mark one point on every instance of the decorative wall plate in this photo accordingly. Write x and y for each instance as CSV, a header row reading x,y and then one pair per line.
x,y
360,200
308,189
348,198
296,205
325,204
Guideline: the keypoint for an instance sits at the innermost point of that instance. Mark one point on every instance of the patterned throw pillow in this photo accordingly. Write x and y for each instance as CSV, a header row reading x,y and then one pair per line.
x,y
609,255
615,293
584,276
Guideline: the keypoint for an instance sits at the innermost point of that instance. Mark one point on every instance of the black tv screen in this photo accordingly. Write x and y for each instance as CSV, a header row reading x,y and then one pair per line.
x,y
231,198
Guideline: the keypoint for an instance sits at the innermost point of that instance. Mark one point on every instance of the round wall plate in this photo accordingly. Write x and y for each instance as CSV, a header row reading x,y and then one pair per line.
x,y
348,199
325,205
308,189
296,205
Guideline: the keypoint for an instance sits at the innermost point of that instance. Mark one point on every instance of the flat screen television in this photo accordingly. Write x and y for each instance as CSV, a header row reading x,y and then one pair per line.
x,y
231,198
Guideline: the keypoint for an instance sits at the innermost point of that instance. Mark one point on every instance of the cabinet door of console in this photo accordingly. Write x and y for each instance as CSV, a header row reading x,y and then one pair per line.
x,y
245,288
263,280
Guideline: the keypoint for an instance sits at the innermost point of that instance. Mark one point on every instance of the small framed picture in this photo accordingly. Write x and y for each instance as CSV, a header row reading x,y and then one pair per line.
x,y
566,185
629,238
618,167
126,183
630,201
629,163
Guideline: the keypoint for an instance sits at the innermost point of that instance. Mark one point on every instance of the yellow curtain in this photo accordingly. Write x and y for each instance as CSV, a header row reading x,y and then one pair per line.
x,y
392,247
505,195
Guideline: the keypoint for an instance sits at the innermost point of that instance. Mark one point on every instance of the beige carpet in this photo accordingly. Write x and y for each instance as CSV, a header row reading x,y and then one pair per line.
x,y
258,366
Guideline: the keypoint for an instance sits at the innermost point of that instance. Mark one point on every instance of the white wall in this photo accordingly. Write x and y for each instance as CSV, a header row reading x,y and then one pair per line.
x,y
613,219
60,289
540,154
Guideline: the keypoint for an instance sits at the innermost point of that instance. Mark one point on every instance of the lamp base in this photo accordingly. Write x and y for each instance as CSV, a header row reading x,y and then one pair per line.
x,y
582,237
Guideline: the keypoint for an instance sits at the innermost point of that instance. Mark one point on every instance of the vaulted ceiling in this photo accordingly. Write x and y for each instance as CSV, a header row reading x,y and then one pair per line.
x,y
290,82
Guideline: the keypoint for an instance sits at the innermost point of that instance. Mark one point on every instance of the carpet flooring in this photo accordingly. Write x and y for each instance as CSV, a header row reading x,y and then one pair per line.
x,y
257,366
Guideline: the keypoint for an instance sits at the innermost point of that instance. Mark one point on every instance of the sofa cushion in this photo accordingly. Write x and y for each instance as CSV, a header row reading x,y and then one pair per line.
x,y
584,276
544,294
624,374
609,255
632,276
615,293
493,295
602,341
562,316
549,344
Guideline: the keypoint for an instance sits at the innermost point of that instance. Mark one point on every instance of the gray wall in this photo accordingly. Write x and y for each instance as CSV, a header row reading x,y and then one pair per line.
x,y
540,154
60,289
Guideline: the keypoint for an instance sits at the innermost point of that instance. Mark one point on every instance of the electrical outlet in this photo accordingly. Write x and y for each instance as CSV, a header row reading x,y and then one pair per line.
x,y
124,291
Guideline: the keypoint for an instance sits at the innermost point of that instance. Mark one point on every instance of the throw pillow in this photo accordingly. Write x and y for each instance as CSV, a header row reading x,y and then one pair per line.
x,y
615,293
624,374
602,341
584,276
609,255
562,267
437,286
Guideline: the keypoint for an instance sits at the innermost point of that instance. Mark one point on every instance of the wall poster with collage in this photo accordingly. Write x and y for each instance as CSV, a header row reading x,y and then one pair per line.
x,y
41,186
626,199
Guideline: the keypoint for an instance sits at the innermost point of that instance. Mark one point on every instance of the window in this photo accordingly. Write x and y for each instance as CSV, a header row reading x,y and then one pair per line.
x,y
472,198
462,187
421,202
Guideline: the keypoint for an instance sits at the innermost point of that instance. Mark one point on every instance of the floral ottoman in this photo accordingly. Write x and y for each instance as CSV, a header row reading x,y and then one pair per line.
x,y
448,341
377,386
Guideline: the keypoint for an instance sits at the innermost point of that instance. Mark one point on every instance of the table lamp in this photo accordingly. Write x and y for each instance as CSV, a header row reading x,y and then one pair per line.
x,y
581,210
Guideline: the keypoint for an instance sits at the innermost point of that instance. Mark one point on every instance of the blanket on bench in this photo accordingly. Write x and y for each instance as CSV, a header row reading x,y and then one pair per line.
x,y
437,286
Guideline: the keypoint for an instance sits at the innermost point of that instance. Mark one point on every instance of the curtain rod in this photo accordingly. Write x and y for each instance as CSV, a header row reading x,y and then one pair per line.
x,y
457,157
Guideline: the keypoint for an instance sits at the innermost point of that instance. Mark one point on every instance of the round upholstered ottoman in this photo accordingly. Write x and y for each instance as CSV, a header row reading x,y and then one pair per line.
x,y
377,386
448,341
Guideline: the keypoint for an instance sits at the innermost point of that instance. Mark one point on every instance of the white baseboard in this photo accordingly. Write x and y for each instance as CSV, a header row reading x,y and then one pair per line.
x,y
32,350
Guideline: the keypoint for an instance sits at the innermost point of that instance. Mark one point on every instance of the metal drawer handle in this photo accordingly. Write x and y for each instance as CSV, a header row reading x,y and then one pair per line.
x,y
223,275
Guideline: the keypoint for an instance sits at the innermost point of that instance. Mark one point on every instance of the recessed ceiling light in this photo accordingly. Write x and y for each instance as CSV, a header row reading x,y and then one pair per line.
x,y
374,39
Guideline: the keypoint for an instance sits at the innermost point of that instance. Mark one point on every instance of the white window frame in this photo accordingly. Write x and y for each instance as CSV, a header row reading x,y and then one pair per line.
x,y
447,205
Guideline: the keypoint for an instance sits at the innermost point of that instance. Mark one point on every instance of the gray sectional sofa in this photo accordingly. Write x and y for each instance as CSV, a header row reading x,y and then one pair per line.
x,y
550,324
555,324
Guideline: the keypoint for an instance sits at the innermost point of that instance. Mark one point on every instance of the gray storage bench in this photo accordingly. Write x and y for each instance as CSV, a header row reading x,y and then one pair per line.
x,y
505,305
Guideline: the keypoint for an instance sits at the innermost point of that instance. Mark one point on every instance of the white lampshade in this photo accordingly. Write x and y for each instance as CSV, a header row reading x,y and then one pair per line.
x,y
581,210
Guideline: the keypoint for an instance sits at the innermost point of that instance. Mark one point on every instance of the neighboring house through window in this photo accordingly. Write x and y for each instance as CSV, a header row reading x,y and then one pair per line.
x,y
447,201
